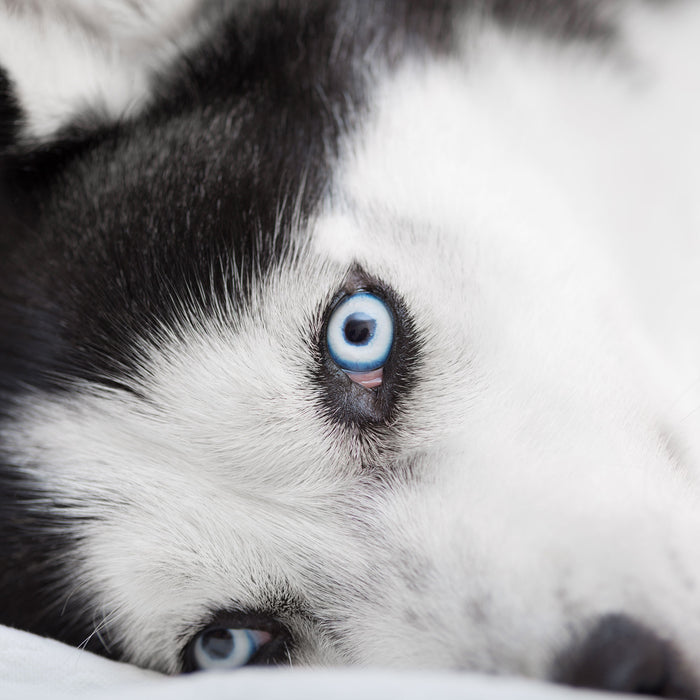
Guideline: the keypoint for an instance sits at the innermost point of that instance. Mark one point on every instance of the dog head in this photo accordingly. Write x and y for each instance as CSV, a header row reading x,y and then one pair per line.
x,y
312,352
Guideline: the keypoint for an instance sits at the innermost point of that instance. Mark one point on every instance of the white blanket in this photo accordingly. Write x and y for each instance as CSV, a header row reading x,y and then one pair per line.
x,y
34,668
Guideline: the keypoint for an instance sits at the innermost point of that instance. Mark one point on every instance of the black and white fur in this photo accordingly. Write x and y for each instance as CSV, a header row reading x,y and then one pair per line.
x,y
187,189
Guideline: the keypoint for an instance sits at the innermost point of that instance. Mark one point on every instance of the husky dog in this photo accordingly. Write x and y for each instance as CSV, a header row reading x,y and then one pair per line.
x,y
354,333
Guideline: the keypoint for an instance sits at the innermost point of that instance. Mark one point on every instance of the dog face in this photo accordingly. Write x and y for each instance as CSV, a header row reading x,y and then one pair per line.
x,y
347,342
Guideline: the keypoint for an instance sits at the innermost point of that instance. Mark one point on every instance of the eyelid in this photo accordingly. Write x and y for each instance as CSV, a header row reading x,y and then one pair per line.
x,y
368,380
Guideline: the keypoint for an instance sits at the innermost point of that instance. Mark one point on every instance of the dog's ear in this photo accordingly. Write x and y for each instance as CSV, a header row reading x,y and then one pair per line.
x,y
84,63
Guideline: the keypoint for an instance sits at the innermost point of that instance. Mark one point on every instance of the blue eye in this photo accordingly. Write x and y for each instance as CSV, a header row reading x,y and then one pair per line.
x,y
360,333
220,648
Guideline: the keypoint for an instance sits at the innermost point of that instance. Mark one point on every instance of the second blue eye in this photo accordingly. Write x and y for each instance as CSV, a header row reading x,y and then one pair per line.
x,y
360,333
220,648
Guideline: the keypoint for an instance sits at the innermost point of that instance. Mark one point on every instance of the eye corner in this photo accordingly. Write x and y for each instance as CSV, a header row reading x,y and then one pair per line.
x,y
370,381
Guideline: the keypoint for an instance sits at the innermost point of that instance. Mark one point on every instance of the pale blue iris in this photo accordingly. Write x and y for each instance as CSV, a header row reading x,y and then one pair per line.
x,y
360,333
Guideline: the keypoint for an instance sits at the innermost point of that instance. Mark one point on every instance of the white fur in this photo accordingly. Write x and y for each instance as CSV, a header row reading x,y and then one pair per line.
x,y
536,206
72,59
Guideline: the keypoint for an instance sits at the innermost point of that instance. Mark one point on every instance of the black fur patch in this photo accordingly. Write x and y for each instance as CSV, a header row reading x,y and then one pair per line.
x,y
10,113
559,18
38,590
151,219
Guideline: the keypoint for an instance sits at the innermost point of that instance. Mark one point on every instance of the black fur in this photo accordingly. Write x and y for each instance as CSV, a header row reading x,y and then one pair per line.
x,y
10,113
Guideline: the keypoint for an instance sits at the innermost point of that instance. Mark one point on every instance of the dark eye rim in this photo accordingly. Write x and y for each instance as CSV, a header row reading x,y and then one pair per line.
x,y
346,401
274,652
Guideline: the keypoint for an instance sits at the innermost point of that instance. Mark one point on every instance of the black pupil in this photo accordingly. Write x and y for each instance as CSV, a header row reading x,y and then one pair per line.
x,y
359,328
218,643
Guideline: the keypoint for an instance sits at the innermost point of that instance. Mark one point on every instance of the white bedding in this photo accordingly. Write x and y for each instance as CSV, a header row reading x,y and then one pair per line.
x,y
33,668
